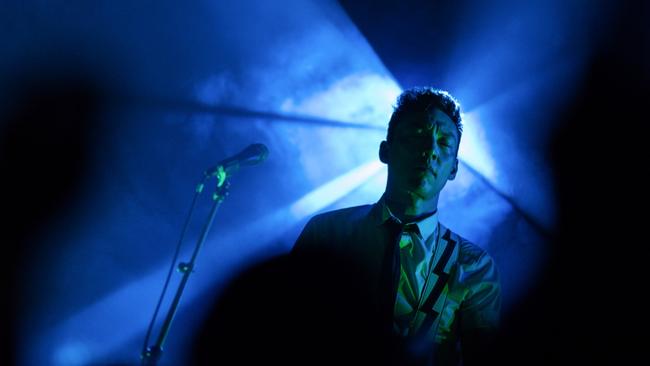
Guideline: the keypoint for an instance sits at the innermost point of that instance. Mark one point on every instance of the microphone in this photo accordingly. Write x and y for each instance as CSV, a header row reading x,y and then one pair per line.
x,y
252,155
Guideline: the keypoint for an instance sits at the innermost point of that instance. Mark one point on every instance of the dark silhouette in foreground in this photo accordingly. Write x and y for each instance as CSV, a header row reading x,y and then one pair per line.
x,y
310,309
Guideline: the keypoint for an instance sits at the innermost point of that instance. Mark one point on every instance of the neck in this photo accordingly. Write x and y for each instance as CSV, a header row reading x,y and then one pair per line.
x,y
410,207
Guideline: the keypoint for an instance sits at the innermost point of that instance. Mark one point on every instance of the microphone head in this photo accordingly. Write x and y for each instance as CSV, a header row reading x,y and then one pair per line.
x,y
253,154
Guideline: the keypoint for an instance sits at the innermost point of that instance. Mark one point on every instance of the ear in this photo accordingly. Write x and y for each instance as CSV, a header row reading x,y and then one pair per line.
x,y
383,152
454,170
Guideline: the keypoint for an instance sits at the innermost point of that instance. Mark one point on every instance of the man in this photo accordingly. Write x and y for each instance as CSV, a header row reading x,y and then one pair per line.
x,y
438,292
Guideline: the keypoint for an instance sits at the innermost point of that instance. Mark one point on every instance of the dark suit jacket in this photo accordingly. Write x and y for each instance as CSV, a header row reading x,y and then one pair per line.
x,y
357,234
360,234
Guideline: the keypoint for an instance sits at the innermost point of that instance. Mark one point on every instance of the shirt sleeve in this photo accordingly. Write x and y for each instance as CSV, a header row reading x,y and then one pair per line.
x,y
481,305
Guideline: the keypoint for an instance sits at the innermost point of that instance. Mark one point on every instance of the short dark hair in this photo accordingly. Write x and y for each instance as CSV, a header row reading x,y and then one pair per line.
x,y
423,99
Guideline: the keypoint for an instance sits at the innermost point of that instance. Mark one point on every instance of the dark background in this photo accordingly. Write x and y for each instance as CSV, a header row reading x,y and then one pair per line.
x,y
110,111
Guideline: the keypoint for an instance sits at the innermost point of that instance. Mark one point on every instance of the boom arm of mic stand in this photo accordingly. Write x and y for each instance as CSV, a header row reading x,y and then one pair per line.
x,y
153,354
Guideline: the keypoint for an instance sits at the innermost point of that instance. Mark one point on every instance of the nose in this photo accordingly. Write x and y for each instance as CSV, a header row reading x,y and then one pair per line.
x,y
431,153
429,156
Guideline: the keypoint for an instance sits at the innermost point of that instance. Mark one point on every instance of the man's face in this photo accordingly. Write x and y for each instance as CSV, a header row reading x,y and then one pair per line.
x,y
422,154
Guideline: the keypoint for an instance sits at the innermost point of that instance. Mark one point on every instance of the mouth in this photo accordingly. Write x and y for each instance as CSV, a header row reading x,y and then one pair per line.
x,y
425,169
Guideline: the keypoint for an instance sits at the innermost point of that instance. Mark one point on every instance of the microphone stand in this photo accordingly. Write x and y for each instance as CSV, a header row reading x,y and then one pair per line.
x,y
152,354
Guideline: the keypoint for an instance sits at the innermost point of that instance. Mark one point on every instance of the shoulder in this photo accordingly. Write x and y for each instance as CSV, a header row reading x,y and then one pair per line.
x,y
332,227
342,215
472,257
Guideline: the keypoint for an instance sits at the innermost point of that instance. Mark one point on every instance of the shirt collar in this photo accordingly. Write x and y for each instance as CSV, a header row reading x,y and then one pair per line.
x,y
426,226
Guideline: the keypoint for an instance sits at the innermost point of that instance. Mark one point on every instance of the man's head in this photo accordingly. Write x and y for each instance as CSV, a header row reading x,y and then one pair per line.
x,y
421,147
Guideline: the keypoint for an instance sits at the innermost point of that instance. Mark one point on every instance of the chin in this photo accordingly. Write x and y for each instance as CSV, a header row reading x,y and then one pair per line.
x,y
419,193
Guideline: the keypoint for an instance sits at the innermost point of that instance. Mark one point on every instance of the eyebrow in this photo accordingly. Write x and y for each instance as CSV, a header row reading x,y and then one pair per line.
x,y
448,134
445,135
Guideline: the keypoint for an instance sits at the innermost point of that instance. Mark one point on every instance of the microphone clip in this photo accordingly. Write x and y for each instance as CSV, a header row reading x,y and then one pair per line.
x,y
221,173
